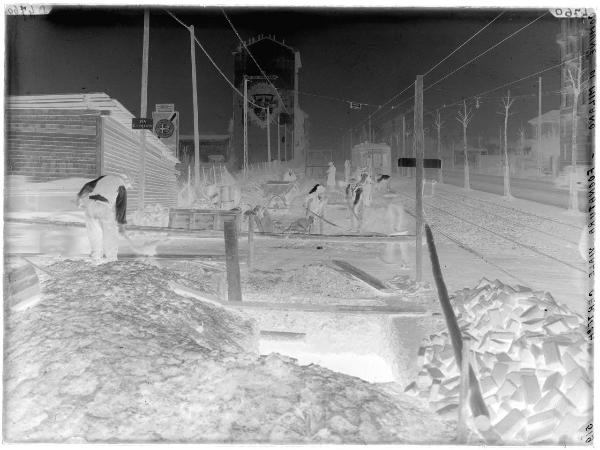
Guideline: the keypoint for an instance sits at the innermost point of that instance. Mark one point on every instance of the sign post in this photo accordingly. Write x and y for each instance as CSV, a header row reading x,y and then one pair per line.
x,y
144,107
419,138
195,104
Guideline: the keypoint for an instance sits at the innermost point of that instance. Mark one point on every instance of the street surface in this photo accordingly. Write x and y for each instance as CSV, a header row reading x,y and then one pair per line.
x,y
536,190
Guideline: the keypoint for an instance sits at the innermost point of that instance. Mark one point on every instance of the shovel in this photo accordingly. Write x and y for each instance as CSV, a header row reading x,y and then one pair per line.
x,y
146,249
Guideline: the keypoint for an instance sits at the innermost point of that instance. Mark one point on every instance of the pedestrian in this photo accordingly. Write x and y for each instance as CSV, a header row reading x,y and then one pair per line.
x,y
105,202
331,175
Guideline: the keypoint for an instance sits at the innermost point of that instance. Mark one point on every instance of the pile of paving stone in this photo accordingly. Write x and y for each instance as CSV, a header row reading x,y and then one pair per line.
x,y
532,359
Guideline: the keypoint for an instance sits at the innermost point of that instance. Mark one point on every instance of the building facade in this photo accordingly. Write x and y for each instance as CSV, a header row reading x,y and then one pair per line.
x,y
574,42
273,111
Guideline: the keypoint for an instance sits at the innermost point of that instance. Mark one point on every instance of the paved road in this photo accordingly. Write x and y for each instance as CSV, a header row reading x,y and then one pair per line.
x,y
536,190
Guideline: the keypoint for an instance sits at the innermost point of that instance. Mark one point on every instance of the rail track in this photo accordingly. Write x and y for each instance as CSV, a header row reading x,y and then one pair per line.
x,y
462,223
514,210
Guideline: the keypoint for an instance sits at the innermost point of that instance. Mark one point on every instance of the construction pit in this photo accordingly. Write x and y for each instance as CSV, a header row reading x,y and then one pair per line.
x,y
531,358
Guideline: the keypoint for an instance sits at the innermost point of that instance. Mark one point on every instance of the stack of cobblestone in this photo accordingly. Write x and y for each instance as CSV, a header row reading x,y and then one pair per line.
x,y
532,359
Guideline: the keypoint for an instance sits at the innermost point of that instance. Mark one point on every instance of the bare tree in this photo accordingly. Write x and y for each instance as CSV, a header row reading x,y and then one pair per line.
x,y
438,123
506,104
464,117
574,74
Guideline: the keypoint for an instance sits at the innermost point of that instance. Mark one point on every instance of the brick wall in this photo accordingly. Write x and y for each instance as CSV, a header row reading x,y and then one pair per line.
x,y
52,144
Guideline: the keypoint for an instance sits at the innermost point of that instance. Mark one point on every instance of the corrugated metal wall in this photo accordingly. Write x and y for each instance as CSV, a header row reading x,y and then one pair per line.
x,y
122,154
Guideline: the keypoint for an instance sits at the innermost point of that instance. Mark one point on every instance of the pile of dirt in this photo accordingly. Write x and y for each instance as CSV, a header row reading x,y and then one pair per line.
x,y
112,355
305,283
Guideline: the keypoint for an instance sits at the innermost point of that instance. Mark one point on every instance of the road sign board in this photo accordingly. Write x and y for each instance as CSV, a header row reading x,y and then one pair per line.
x,y
142,123
165,107
428,163
166,128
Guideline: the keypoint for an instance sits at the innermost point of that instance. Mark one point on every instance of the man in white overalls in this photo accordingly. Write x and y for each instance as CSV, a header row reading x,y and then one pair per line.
x,y
105,202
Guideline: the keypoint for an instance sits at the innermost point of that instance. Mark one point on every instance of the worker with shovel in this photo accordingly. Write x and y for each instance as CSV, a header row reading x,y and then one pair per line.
x,y
105,202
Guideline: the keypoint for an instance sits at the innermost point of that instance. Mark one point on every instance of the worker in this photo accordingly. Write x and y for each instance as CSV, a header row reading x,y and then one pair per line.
x,y
105,202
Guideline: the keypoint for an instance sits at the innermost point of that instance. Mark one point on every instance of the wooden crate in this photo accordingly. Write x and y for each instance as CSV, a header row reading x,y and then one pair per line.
x,y
201,219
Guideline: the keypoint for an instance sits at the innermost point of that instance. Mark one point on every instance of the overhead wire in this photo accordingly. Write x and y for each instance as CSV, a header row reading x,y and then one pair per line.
x,y
213,62
486,51
473,60
481,94
434,67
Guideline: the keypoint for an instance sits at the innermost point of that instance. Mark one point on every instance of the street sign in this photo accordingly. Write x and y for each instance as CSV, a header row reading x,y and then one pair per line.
x,y
166,128
165,107
142,123
428,163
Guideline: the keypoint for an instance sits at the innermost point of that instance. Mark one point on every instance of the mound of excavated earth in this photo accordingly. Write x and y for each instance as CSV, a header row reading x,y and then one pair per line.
x,y
111,354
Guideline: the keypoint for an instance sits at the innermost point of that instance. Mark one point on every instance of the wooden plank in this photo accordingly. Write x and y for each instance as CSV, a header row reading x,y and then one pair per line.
x,y
204,234
282,335
23,288
399,308
478,407
405,309
361,275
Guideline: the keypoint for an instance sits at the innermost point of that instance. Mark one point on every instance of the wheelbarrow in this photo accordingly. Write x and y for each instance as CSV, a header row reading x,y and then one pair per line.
x,y
276,192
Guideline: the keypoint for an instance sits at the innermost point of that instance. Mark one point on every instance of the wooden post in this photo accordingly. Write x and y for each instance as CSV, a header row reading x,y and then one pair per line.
x,y
232,262
463,403
245,164
419,138
144,107
278,140
250,242
189,183
195,104
286,141
403,141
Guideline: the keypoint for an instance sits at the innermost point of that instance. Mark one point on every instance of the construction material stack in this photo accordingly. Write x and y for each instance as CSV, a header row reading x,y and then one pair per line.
x,y
532,359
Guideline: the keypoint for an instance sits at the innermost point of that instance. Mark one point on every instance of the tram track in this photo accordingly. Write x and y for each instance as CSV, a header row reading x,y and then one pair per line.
x,y
458,220
560,238
513,210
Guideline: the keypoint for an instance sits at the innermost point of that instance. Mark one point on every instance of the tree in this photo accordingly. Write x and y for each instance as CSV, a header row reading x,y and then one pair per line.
x,y
438,123
506,104
574,74
464,117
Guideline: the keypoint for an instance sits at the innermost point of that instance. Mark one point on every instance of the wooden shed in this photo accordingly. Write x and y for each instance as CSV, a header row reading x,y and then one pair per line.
x,y
376,156
56,137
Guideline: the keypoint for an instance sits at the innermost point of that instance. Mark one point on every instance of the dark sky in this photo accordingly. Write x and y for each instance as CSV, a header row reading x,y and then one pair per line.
x,y
365,55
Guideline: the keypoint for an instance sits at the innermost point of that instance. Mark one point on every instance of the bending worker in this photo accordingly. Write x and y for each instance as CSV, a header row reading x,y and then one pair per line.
x,y
105,202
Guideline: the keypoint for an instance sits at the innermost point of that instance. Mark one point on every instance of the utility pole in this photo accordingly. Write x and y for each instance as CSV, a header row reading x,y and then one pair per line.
x,y
278,139
403,141
539,133
369,129
438,125
245,164
195,104
144,107
464,117
268,136
419,150
350,141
